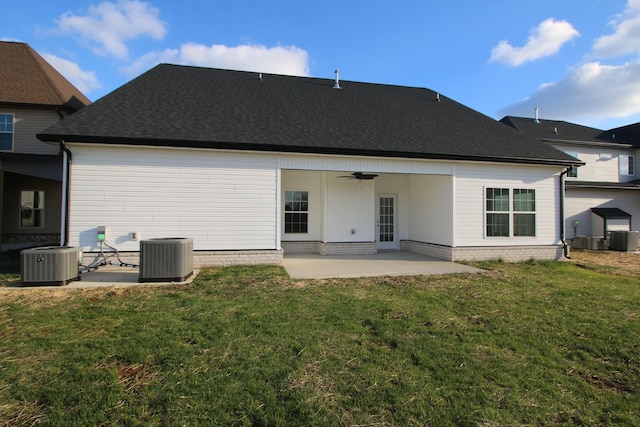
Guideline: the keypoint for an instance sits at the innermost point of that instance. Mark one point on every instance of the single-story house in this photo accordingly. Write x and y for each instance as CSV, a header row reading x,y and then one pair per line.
x,y
251,166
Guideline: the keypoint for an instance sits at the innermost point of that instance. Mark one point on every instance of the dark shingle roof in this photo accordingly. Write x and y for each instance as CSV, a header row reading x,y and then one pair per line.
x,y
28,79
558,130
210,108
630,133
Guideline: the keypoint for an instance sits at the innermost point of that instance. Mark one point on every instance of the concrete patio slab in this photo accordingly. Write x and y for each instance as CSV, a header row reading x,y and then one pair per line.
x,y
396,263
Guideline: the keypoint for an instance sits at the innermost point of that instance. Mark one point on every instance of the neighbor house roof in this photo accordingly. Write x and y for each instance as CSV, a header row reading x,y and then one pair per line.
x,y
184,106
28,79
630,133
561,131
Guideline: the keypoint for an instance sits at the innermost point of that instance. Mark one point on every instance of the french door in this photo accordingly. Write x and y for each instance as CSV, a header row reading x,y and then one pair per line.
x,y
386,227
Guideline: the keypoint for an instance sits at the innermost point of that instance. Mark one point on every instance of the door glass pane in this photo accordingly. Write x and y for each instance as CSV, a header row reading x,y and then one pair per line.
x,y
386,220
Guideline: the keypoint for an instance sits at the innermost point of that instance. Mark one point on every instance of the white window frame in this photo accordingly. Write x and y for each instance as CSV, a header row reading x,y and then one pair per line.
x,y
296,208
510,212
4,131
502,211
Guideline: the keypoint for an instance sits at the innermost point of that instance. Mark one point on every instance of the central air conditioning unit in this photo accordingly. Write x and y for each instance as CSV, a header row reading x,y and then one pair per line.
x,y
623,241
56,265
166,260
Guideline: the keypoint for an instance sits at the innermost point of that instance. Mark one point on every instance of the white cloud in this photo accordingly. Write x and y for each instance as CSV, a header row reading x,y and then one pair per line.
x,y
108,25
289,60
626,36
591,93
545,40
85,81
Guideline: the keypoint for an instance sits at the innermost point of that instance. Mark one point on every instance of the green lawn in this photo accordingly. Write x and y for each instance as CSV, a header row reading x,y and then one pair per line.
x,y
524,344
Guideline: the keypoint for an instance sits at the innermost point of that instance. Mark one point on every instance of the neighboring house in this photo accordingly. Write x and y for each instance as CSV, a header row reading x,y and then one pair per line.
x,y
33,96
250,165
607,180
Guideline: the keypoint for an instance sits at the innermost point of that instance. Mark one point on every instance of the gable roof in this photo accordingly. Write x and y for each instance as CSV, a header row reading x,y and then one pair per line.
x,y
561,131
184,106
28,79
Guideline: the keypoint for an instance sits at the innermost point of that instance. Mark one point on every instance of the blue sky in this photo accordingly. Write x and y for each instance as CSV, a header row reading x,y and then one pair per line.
x,y
577,60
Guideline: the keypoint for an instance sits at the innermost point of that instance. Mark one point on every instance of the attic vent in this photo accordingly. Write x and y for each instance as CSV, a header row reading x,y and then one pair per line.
x,y
337,83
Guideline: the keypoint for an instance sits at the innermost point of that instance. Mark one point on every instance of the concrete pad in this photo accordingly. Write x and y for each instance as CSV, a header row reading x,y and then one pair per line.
x,y
107,276
396,263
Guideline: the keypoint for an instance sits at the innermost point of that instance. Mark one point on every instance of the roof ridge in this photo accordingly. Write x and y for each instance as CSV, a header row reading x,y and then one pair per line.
x,y
34,56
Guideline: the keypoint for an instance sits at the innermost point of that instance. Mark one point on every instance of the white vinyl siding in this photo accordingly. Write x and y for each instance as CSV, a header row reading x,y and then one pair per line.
x,y
224,201
601,164
471,182
431,209
228,200
350,207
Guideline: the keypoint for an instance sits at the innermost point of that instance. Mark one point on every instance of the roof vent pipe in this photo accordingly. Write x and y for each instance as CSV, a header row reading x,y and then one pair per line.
x,y
337,83
260,76
438,97
537,119
555,130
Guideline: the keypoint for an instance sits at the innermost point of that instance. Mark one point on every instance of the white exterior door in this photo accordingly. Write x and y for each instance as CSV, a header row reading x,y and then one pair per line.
x,y
387,229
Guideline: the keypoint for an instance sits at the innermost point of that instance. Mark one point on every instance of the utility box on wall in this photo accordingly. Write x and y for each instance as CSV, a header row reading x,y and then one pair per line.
x,y
166,259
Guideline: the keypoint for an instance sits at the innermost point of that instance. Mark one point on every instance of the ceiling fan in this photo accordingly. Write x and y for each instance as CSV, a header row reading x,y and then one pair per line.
x,y
359,175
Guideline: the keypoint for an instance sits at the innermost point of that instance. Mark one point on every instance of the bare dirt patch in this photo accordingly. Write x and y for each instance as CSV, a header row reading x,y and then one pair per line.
x,y
615,262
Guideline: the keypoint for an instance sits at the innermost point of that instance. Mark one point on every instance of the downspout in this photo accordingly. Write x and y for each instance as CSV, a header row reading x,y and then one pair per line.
x,y
565,245
64,217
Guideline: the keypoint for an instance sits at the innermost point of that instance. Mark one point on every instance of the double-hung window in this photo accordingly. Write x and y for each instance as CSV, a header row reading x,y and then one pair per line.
x,y
497,212
31,209
6,132
510,212
524,212
296,211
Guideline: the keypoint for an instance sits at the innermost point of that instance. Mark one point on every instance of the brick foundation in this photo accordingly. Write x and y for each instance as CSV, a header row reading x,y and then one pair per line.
x,y
200,258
